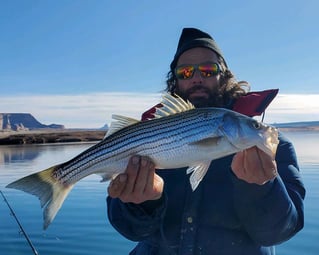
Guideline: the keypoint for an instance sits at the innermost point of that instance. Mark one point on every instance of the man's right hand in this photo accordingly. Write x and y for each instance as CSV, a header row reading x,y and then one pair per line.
x,y
138,183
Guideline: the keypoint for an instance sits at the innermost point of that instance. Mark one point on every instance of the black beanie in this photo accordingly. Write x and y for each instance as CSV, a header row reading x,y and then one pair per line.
x,y
192,38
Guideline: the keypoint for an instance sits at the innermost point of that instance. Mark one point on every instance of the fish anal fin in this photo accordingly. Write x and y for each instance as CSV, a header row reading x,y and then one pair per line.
x,y
107,176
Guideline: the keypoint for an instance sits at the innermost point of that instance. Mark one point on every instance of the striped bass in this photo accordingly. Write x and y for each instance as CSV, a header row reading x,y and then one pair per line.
x,y
178,136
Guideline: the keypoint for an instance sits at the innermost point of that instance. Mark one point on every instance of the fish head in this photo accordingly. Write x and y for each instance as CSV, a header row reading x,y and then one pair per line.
x,y
244,132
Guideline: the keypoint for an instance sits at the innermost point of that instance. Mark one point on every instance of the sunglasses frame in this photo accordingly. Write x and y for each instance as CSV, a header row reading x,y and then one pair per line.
x,y
196,68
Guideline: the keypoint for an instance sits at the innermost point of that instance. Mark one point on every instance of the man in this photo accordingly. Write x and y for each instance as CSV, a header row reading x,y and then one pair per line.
x,y
246,203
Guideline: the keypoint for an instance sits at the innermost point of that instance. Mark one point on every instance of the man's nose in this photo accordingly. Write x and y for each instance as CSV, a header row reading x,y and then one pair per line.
x,y
197,78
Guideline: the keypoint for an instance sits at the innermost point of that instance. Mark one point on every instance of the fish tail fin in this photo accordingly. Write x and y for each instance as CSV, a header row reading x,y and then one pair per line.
x,y
48,189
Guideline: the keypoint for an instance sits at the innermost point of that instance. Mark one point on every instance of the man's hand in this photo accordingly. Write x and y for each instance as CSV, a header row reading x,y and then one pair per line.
x,y
254,166
138,183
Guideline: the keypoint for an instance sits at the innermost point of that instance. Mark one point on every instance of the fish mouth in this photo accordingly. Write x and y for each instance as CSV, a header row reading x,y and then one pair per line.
x,y
269,142
272,140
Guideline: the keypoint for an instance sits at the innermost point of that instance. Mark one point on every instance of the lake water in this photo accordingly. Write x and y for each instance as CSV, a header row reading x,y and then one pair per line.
x,y
81,226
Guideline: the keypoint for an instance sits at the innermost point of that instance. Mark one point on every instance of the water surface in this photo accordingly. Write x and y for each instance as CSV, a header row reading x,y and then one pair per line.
x,y
81,226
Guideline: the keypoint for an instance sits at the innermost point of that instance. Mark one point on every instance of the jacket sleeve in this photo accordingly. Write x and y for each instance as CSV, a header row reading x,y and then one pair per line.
x,y
136,221
273,213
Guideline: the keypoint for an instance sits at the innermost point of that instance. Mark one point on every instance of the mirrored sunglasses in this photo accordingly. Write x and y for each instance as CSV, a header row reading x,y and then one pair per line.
x,y
206,70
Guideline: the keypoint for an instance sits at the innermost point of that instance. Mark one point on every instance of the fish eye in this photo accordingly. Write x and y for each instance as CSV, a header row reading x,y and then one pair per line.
x,y
256,125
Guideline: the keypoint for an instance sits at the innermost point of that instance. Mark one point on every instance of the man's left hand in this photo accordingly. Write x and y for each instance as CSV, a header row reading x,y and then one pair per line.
x,y
254,166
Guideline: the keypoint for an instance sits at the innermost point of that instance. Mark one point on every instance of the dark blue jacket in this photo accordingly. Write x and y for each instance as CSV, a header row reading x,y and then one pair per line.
x,y
224,215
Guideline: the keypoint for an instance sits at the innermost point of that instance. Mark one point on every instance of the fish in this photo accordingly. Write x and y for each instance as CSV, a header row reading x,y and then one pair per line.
x,y
179,135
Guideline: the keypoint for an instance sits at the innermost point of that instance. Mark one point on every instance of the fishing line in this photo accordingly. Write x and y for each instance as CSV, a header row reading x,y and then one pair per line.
x,y
263,117
21,228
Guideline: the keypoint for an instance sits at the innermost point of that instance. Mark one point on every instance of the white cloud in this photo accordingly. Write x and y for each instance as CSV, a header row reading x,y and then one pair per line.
x,y
80,111
94,110
291,108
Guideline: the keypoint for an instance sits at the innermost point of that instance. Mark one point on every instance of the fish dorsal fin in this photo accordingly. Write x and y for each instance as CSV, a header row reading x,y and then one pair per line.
x,y
172,104
120,122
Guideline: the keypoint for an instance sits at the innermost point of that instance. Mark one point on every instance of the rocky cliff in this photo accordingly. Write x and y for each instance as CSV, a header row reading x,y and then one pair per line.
x,y
23,121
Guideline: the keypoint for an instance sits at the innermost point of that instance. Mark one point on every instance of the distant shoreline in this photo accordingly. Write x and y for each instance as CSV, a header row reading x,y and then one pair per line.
x,y
50,136
41,136
299,129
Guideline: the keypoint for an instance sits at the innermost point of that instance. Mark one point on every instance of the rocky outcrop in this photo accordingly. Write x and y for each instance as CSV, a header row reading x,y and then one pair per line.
x,y
23,121
51,136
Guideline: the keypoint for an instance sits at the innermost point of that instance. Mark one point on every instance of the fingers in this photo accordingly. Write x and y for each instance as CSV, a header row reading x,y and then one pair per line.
x,y
138,177
124,183
132,172
139,182
254,166
145,176
238,165
259,160
269,165
117,185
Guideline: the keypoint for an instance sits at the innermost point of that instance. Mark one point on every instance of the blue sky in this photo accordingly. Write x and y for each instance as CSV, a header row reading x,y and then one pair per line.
x,y
71,50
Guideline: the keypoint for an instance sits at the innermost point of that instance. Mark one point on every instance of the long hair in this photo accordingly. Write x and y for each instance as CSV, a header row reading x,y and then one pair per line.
x,y
229,89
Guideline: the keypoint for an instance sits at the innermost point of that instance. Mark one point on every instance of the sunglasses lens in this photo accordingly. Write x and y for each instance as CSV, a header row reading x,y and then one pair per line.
x,y
208,70
185,72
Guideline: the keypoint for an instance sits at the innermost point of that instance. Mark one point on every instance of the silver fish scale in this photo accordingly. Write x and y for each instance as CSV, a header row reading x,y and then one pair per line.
x,y
150,138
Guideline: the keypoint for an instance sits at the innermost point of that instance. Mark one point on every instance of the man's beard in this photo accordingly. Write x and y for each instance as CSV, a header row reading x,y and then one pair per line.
x,y
214,98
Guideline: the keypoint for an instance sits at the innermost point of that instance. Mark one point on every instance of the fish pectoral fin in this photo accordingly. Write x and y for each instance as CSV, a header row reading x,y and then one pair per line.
x,y
208,142
120,122
198,172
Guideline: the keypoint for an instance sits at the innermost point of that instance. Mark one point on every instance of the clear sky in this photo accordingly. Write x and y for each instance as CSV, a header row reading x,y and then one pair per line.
x,y
67,61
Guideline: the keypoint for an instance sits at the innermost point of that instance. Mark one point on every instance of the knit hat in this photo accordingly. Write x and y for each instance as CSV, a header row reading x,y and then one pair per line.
x,y
192,38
